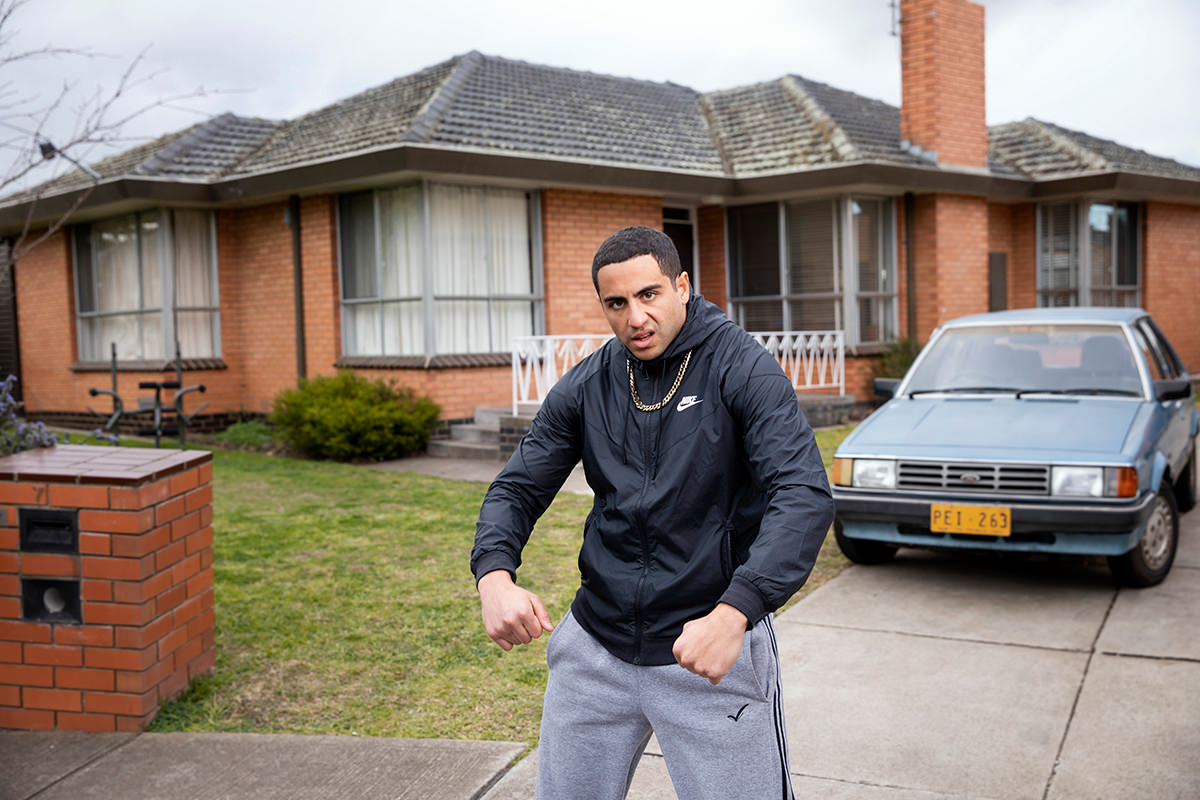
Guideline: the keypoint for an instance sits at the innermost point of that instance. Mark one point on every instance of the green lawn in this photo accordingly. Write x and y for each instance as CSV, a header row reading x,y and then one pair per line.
x,y
344,604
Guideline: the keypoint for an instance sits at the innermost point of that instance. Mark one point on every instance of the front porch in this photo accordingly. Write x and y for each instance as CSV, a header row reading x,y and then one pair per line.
x,y
813,360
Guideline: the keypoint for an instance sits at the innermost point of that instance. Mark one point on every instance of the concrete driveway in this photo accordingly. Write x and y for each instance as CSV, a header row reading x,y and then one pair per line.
x,y
984,677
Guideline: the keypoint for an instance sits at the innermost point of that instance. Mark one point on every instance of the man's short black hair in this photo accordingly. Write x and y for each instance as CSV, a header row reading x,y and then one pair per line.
x,y
635,241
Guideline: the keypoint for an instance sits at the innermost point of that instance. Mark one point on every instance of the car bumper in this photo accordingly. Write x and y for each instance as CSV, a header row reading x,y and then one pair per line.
x,y
1081,528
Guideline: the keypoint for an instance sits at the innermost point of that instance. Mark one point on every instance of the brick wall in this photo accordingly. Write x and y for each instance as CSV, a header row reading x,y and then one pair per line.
x,y
574,224
46,318
143,569
322,294
942,76
1022,262
710,236
951,247
1171,275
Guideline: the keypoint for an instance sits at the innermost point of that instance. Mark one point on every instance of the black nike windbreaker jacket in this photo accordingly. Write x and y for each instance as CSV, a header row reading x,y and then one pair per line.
x,y
719,496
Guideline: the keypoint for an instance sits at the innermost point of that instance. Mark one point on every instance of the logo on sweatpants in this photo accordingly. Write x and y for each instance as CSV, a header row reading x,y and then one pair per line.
x,y
739,714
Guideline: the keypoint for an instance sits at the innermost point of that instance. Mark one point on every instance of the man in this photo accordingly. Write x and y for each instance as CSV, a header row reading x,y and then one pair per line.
x,y
711,503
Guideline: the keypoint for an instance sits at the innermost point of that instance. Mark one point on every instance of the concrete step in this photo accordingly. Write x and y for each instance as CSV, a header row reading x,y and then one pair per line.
x,y
448,448
490,415
480,434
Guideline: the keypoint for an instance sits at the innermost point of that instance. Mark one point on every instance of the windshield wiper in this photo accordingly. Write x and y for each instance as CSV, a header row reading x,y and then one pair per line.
x,y
952,389
1082,390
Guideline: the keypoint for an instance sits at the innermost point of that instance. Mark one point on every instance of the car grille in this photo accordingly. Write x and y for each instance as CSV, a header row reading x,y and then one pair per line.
x,y
983,478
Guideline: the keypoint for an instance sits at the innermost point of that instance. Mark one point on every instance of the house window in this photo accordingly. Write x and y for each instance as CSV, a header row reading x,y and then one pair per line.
x,y
815,265
145,281
437,269
1089,253
1113,248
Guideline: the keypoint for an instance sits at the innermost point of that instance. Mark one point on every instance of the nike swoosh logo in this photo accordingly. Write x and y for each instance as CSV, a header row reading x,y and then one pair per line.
x,y
687,403
739,714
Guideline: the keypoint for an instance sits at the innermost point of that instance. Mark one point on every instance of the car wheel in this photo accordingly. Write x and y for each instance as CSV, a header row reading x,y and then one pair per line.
x,y
863,551
1150,560
1185,487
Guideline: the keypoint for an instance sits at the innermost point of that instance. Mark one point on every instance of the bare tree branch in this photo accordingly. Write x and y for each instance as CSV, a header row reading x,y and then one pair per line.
x,y
98,122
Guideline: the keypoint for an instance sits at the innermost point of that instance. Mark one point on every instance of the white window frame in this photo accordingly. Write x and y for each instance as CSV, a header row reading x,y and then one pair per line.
x,y
166,306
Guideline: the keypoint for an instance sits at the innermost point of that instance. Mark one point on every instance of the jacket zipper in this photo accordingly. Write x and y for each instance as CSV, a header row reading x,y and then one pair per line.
x,y
647,439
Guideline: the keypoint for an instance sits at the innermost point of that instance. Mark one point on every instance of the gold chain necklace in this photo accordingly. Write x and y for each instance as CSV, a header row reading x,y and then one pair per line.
x,y
637,402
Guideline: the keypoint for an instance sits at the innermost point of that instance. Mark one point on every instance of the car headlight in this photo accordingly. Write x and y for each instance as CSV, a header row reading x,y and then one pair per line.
x,y
1093,481
1077,481
873,473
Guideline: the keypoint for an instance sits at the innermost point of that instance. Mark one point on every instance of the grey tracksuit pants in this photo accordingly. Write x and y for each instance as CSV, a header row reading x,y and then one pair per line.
x,y
721,741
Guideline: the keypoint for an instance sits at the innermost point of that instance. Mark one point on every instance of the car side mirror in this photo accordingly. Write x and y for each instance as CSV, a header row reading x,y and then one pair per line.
x,y
886,387
1172,389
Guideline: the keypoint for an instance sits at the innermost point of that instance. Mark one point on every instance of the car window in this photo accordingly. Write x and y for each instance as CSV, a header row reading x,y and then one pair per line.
x,y
1157,338
1154,359
1092,359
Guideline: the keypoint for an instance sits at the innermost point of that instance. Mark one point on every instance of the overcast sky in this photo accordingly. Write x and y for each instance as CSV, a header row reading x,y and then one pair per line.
x,y
1126,70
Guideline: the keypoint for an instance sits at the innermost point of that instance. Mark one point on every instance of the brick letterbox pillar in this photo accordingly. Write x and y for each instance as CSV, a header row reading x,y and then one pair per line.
x,y
106,584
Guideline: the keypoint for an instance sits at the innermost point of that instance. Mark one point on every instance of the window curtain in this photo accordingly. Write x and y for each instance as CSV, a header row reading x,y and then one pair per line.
x,y
511,267
1058,270
480,244
812,233
400,320
194,297
359,274
117,288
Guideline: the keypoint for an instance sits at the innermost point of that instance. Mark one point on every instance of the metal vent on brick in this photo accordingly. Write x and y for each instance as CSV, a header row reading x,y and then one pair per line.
x,y
958,477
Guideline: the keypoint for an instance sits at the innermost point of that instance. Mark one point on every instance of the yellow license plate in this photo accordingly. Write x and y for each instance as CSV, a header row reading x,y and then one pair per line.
x,y
975,520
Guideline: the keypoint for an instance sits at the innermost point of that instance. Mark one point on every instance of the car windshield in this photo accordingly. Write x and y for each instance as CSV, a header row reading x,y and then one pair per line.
x,y
1064,359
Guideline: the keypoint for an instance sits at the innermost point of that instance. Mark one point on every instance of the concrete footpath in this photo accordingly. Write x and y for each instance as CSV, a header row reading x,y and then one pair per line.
x,y
934,676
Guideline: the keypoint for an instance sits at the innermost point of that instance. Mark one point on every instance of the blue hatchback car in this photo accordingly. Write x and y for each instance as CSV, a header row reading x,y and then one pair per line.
x,y
1054,430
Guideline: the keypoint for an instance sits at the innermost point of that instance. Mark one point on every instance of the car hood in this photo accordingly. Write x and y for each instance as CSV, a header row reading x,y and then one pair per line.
x,y
1026,429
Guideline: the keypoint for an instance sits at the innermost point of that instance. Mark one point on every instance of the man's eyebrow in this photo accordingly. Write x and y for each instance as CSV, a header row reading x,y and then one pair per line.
x,y
643,290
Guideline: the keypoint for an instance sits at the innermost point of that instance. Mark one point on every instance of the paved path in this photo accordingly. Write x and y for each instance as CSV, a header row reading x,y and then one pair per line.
x,y
935,676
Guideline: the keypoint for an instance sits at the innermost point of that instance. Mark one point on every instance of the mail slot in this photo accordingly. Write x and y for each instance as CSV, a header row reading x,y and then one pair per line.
x,y
47,530
45,600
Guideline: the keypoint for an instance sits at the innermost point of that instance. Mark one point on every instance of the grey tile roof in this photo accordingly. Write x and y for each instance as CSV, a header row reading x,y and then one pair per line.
x,y
384,115
491,104
518,107
793,123
204,151
1037,149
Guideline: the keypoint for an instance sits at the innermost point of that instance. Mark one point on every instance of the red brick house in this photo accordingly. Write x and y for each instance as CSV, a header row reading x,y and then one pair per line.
x,y
410,231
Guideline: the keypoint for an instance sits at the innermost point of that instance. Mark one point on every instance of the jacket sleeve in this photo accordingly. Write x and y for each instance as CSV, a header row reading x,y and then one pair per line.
x,y
782,454
524,489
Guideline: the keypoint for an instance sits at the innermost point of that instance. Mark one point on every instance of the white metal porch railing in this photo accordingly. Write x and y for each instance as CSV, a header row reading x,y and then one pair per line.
x,y
811,359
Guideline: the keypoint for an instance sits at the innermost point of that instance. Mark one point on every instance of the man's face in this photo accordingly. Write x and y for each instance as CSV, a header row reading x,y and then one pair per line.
x,y
645,308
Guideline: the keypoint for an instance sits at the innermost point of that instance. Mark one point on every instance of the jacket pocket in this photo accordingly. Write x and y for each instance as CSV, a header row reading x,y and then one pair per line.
x,y
727,565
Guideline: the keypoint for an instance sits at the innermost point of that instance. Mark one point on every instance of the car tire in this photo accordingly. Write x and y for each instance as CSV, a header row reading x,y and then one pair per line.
x,y
1150,560
1185,487
863,551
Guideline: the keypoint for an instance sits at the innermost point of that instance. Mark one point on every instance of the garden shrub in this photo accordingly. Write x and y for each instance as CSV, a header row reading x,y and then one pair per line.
x,y
347,417
896,358
253,433
16,434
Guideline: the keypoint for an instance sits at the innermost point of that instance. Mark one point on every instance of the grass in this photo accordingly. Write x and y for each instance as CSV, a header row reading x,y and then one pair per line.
x,y
344,604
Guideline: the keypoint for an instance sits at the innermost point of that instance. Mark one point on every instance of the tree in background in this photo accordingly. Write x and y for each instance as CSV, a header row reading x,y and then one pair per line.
x,y
97,121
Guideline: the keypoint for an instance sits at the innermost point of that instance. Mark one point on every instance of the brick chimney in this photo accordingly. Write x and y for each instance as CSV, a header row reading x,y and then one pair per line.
x,y
942,76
